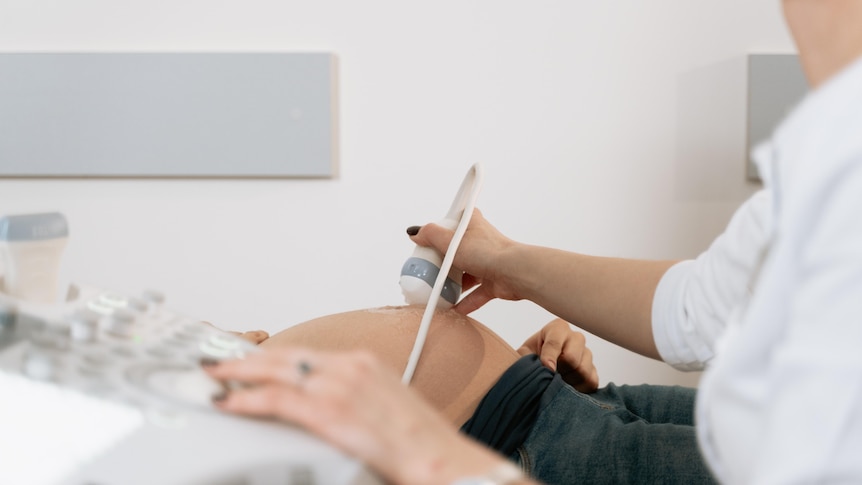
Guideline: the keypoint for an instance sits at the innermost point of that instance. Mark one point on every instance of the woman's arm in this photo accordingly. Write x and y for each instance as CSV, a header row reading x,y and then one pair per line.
x,y
629,302
609,297
358,404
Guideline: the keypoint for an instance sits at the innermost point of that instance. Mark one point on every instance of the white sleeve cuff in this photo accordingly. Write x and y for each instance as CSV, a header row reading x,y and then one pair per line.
x,y
675,336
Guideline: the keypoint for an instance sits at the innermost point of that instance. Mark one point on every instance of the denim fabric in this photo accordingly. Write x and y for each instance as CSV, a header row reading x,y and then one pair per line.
x,y
619,434
507,413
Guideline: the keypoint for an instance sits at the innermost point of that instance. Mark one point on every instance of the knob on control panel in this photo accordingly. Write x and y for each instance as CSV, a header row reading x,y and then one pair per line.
x,y
121,323
84,326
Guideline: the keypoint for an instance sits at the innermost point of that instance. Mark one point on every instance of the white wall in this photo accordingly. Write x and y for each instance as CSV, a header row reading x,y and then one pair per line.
x,y
612,127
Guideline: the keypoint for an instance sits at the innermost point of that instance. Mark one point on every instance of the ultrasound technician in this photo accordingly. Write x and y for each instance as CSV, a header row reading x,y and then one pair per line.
x,y
771,310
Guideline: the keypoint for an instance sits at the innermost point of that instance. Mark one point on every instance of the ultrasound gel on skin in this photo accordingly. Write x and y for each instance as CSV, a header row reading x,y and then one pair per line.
x,y
420,272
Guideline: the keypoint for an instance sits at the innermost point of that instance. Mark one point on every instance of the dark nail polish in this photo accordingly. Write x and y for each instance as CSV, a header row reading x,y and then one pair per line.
x,y
413,230
220,397
209,362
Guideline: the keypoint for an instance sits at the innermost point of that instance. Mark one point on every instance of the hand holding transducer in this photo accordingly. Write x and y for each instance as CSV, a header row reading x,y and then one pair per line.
x,y
481,255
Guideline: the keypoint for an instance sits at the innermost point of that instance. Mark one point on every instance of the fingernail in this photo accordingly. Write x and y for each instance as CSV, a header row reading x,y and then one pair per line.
x,y
551,365
413,230
209,362
220,397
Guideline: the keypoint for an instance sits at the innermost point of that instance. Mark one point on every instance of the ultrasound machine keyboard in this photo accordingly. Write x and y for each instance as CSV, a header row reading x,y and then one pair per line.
x,y
107,389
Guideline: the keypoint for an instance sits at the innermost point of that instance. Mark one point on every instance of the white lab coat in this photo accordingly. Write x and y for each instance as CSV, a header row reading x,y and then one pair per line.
x,y
773,310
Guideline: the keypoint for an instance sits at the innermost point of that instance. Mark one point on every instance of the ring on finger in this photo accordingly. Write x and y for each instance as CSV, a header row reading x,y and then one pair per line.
x,y
304,369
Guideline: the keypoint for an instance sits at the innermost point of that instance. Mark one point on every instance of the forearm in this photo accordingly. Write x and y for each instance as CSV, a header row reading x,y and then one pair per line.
x,y
609,297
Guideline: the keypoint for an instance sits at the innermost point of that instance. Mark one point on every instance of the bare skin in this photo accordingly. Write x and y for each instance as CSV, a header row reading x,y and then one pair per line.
x,y
609,297
462,359
827,34
564,351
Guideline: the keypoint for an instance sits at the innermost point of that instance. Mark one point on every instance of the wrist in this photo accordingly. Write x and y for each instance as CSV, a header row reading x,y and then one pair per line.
x,y
503,473
464,463
522,271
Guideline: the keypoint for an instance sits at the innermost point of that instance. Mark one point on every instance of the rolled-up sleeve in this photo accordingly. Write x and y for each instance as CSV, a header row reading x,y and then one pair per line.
x,y
695,298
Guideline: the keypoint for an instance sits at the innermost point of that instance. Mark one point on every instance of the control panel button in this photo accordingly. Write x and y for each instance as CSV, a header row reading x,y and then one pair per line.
x,y
121,324
100,307
84,326
137,305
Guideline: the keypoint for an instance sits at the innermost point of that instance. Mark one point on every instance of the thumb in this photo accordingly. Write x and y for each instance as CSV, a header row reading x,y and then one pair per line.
x,y
474,300
550,353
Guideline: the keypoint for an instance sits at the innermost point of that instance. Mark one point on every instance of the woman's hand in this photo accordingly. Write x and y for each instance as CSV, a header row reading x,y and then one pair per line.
x,y
479,256
357,404
564,350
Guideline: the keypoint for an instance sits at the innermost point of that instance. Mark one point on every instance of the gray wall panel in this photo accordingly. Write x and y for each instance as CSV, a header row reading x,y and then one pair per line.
x,y
167,115
776,84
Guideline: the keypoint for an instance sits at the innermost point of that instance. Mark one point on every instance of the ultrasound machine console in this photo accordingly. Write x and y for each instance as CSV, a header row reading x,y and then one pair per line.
x,y
105,388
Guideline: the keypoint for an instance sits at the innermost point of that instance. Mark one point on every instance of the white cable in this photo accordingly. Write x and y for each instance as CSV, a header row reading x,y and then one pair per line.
x,y
464,202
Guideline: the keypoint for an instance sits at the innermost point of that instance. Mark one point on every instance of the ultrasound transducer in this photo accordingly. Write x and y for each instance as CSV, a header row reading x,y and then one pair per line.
x,y
429,278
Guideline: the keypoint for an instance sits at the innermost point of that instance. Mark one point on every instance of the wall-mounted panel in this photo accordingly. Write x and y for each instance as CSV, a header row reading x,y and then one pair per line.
x,y
168,115
776,84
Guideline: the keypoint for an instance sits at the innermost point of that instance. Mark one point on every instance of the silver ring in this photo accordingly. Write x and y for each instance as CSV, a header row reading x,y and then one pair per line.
x,y
304,369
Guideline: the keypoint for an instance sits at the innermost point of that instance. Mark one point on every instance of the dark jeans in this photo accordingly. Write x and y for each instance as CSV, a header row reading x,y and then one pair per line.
x,y
619,434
